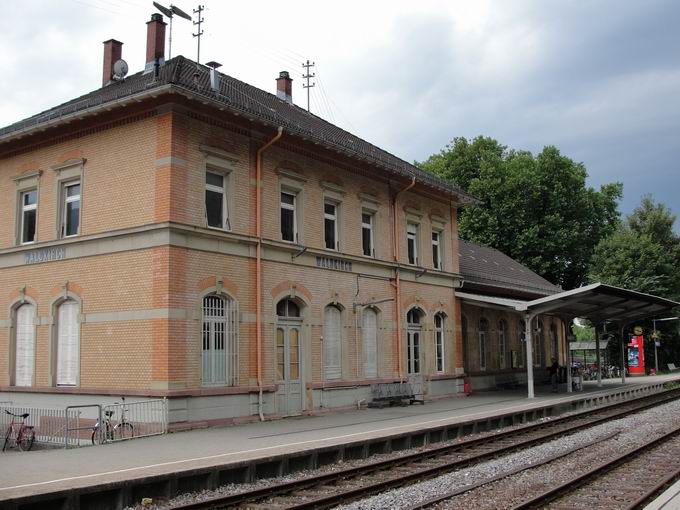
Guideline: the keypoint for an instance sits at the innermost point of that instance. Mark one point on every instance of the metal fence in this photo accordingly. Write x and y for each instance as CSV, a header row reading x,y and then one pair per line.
x,y
78,425
127,420
50,425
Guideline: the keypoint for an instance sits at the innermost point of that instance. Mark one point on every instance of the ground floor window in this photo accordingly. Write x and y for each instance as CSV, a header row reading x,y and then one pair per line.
x,y
68,343
24,357
483,332
220,333
369,330
332,342
502,342
439,341
413,334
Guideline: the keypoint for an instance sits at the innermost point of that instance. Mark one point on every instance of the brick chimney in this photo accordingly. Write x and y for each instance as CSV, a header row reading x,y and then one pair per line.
x,y
284,87
155,42
113,51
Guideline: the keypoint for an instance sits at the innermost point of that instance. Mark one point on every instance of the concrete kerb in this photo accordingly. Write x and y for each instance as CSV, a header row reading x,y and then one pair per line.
x,y
119,494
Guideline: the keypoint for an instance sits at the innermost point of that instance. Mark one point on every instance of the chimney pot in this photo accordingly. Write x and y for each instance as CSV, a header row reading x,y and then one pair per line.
x,y
155,42
284,87
113,51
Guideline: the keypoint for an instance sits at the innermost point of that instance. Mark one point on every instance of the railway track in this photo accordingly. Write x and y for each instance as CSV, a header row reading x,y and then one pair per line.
x,y
342,486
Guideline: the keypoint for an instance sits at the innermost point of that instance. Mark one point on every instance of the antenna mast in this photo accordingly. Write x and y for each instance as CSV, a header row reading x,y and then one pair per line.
x,y
170,13
307,77
198,11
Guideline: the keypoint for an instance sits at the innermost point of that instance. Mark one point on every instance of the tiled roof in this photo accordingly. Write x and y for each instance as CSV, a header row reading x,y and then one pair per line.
x,y
489,267
184,76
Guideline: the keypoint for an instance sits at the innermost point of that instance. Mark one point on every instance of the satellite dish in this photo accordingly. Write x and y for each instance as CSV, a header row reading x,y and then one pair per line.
x,y
120,69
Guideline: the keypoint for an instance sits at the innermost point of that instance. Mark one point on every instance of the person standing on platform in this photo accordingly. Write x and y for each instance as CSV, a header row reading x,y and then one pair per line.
x,y
553,370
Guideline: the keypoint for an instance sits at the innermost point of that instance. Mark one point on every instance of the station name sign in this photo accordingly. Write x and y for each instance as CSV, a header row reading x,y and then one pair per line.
x,y
45,255
331,263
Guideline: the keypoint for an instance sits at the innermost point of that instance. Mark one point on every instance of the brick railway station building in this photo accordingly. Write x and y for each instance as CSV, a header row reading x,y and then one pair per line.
x,y
179,233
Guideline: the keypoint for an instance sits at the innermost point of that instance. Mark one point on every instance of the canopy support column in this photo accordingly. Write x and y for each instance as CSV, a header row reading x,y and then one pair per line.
x,y
623,354
528,319
567,357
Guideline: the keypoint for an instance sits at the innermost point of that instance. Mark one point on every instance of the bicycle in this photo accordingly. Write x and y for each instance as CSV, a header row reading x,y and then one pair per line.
x,y
121,430
21,434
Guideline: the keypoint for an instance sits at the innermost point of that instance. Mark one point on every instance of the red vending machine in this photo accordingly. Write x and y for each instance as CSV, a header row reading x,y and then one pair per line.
x,y
636,355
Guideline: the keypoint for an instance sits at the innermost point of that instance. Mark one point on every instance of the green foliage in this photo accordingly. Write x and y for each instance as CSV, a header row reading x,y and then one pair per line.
x,y
643,254
583,333
536,209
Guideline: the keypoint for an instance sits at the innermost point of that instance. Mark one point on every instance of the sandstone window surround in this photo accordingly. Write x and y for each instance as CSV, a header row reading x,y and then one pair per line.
x,y
291,203
27,200
69,190
218,169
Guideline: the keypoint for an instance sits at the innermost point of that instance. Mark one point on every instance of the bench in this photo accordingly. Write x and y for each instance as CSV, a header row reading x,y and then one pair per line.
x,y
672,367
507,382
392,394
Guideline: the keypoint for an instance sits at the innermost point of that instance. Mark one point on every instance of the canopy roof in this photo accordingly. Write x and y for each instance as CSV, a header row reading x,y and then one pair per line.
x,y
600,302
588,346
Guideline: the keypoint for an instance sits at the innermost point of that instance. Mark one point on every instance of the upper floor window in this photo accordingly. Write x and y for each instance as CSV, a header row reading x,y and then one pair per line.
x,y
289,216
330,225
367,234
436,250
412,243
29,212
216,210
70,209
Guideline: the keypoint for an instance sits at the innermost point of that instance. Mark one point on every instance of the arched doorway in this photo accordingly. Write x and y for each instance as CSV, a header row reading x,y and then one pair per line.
x,y
288,357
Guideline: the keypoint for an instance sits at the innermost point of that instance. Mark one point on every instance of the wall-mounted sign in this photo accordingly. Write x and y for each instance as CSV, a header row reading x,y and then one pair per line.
x,y
637,330
45,255
331,263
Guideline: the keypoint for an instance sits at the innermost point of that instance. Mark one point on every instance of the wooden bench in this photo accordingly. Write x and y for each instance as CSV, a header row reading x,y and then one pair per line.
x,y
672,367
507,382
392,394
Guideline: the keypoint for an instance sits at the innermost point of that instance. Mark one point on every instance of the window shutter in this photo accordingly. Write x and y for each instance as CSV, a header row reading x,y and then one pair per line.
x,y
67,344
331,343
370,332
25,345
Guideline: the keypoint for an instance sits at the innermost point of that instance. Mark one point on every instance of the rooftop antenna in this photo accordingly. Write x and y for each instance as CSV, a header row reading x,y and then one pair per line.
x,y
198,12
307,77
170,12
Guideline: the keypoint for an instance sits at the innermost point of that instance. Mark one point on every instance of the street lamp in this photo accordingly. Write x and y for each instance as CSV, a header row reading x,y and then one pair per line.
x,y
655,337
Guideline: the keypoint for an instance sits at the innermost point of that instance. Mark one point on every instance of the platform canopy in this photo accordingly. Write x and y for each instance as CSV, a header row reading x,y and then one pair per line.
x,y
599,303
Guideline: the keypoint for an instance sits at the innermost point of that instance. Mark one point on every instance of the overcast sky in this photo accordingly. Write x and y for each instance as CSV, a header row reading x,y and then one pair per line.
x,y
598,79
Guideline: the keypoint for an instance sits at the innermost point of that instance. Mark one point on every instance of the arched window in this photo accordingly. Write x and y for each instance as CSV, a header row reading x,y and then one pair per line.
x,y
521,338
439,341
332,342
220,341
68,343
287,308
538,344
483,332
369,334
24,357
502,342
413,333
554,349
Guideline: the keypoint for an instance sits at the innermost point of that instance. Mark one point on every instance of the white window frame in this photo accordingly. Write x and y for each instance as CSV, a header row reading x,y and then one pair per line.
x,y
437,248
24,335
334,217
65,200
61,372
412,235
368,226
370,343
482,345
502,343
223,190
332,347
23,210
414,335
289,207
439,342
216,371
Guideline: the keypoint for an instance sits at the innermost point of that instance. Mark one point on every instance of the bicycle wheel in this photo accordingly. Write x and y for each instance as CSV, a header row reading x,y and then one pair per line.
x,y
125,430
27,439
7,436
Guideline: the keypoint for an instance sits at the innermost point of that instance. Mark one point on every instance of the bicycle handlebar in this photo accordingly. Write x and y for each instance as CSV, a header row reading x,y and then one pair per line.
x,y
17,415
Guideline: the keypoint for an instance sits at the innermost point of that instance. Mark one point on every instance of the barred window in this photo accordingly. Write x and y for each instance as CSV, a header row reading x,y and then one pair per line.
x,y
220,341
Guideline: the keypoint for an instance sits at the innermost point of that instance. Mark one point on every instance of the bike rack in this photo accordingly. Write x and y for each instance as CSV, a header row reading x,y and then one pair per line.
x,y
78,427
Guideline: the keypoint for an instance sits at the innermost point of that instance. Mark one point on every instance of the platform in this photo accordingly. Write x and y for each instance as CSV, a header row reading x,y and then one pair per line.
x,y
241,452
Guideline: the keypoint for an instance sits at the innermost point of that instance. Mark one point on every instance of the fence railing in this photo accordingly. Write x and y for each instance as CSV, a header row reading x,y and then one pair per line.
x,y
78,425
50,424
125,420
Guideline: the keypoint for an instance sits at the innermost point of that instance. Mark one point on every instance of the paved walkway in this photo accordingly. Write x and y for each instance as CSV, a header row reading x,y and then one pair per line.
x,y
49,470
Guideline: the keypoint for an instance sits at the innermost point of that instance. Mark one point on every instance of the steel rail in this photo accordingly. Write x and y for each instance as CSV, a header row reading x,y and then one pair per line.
x,y
286,488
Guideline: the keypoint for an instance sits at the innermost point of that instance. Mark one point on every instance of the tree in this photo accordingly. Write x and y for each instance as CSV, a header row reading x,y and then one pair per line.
x,y
536,209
